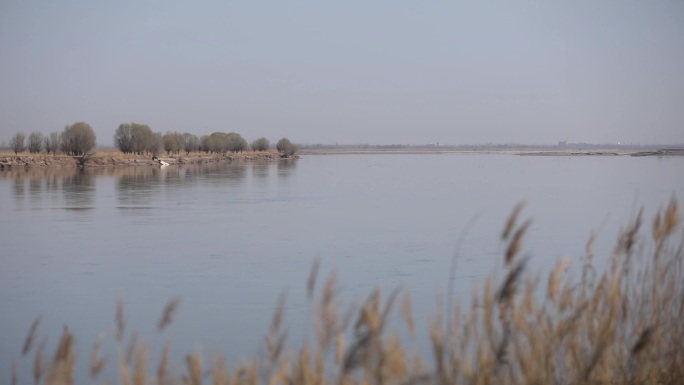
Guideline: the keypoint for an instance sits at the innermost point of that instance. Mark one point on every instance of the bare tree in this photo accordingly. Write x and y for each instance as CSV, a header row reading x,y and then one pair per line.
x,y
35,142
191,143
78,139
260,144
155,144
236,143
142,138
123,137
218,142
173,142
285,147
205,143
52,142
17,143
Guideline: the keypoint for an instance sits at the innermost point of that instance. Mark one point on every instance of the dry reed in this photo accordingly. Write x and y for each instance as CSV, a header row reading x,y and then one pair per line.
x,y
28,343
167,314
622,325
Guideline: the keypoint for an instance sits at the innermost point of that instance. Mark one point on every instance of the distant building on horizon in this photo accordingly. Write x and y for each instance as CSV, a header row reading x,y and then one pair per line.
x,y
562,143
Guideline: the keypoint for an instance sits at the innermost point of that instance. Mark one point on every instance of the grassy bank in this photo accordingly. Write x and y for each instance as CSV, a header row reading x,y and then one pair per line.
x,y
622,325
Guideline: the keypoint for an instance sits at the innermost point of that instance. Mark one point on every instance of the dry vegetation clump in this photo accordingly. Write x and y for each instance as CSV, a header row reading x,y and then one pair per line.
x,y
621,326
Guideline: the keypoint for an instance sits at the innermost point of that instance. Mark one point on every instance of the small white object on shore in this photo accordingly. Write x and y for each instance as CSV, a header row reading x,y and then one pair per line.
x,y
161,162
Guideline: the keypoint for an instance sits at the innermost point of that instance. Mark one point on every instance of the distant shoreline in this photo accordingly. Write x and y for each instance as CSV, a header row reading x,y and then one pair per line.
x,y
521,151
115,158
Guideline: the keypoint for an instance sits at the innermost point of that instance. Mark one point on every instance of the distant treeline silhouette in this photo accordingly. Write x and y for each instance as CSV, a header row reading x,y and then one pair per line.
x,y
79,139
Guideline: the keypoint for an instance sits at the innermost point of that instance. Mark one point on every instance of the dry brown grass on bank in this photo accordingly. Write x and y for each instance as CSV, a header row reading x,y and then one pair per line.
x,y
118,154
620,326
117,158
113,153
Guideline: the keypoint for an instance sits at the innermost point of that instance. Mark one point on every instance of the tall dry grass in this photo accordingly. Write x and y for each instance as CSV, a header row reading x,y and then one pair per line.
x,y
623,325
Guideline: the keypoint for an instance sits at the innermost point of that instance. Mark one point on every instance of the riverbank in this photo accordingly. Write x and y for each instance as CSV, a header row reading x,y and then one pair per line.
x,y
116,158
658,152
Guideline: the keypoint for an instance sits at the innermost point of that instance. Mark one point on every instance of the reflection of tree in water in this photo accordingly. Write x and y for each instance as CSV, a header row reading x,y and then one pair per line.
x,y
19,188
78,189
53,184
261,170
286,167
139,187
33,176
224,174
35,183
189,173
235,173
136,186
174,180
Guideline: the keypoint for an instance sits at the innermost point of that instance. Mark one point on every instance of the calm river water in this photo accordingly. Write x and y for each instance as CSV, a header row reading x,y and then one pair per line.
x,y
228,239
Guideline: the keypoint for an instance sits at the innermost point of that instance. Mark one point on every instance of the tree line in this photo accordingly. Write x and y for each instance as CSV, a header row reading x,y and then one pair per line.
x,y
139,139
79,139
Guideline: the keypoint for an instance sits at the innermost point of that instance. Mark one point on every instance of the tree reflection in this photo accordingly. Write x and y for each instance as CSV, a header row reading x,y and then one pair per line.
x,y
286,167
74,186
18,189
136,186
78,189
35,183
261,170
224,174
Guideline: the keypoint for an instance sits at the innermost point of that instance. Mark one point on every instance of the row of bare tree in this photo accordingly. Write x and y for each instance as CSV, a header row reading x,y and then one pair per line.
x,y
77,139
140,139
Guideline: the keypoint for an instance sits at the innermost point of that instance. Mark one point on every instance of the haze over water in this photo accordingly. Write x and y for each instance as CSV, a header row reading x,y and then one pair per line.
x,y
229,238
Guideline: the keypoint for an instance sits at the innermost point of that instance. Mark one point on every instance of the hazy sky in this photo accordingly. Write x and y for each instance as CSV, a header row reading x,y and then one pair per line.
x,y
350,71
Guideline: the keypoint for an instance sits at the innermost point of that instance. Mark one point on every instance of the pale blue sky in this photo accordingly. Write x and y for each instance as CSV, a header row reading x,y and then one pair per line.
x,y
349,72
